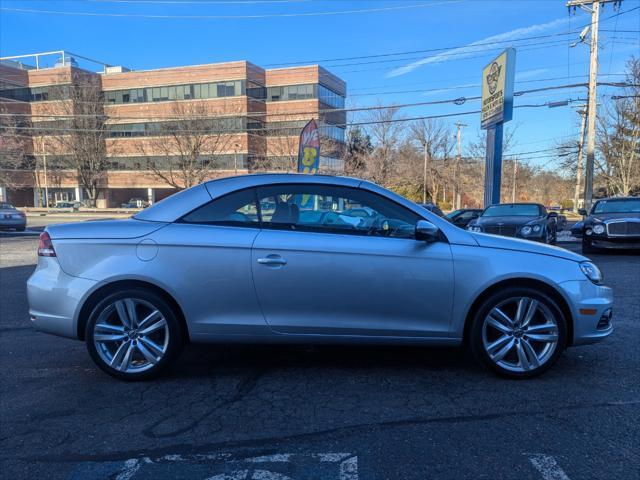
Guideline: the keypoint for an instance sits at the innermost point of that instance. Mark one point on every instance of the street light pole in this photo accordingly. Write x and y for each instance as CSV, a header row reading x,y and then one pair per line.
x,y
576,195
46,182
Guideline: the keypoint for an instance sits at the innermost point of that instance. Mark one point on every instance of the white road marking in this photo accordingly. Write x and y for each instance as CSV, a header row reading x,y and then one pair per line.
x,y
346,465
548,467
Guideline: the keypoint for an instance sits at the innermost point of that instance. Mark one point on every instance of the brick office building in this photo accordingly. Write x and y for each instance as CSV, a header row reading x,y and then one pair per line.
x,y
256,115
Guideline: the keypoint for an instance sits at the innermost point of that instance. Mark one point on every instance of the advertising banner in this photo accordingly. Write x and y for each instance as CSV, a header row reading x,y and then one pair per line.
x,y
309,149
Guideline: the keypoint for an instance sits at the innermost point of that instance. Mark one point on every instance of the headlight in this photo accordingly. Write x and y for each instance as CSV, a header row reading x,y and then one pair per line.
x,y
526,230
591,272
598,229
537,228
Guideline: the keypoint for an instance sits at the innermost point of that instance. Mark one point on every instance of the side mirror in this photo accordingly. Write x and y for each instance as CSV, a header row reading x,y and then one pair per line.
x,y
553,215
426,231
583,212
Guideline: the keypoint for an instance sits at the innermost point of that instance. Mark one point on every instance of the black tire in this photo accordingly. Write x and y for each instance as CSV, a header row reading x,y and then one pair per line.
x,y
475,339
587,246
554,237
174,342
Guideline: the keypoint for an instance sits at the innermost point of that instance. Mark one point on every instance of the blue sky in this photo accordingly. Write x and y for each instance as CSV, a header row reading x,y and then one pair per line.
x,y
160,33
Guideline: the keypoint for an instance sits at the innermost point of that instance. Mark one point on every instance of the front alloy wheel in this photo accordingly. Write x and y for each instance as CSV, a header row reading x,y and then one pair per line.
x,y
519,333
132,335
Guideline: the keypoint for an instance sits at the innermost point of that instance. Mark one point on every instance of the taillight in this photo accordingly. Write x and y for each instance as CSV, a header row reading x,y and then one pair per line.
x,y
45,247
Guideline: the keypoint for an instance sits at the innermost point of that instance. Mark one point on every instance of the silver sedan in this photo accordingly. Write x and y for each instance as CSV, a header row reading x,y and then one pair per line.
x,y
308,259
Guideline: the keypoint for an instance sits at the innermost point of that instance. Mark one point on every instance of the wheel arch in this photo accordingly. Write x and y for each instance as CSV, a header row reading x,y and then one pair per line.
x,y
546,288
94,298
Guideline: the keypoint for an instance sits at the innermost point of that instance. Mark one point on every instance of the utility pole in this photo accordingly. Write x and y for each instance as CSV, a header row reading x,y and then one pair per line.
x,y
424,174
592,113
455,200
515,174
576,195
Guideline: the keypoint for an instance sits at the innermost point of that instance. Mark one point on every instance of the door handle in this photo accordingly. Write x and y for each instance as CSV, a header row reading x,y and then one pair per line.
x,y
272,261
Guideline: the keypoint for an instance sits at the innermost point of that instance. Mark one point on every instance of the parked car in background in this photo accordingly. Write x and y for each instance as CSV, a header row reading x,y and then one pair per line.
x,y
310,259
463,216
612,223
576,229
11,217
530,221
136,202
432,207
71,206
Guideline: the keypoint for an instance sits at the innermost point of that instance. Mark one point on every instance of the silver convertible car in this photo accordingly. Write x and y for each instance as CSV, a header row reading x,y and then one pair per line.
x,y
308,259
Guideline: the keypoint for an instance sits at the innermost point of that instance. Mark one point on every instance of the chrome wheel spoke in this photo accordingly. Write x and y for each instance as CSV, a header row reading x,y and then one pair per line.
x,y
120,355
531,311
105,327
123,313
522,357
501,316
153,327
496,323
542,328
532,356
151,345
149,319
542,337
151,358
521,311
499,355
109,337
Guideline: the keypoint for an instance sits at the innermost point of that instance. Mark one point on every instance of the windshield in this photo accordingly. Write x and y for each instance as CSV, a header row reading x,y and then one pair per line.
x,y
452,214
631,205
512,210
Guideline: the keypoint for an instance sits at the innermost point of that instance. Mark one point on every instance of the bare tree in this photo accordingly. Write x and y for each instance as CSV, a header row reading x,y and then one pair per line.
x,y
80,136
385,134
14,147
187,150
430,136
618,161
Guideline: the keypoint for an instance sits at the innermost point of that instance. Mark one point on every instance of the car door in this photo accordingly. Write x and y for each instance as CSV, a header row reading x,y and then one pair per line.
x,y
206,258
320,268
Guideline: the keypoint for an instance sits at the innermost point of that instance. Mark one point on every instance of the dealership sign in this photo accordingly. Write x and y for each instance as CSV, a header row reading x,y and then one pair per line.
x,y
497,89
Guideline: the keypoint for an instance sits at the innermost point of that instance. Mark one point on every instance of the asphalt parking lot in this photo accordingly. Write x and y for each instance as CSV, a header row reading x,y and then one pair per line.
x,y
258,412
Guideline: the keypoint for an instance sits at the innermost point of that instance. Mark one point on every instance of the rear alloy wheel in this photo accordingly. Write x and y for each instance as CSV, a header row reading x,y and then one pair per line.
x,y
133,334
518,333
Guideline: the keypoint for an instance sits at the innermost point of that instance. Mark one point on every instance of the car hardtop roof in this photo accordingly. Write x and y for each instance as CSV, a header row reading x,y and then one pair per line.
x,y
517,203
617,198
285,176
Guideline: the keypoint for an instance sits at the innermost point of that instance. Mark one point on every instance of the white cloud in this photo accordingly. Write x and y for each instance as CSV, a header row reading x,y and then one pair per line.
x,y
527,74
475,47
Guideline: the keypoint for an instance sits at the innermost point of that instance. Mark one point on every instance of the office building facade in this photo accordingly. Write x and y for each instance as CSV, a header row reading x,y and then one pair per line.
x,y
233,118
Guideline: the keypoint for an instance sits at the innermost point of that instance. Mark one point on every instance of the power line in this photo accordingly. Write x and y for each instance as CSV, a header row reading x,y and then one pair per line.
x,y
226,17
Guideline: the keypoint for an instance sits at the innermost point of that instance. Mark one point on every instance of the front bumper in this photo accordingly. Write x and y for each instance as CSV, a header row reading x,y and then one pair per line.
x,y
606,241
55,298
589,303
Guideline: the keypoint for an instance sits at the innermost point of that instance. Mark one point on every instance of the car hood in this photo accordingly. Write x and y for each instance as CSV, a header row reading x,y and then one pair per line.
x,y
603,217
116,229
511,220
508,243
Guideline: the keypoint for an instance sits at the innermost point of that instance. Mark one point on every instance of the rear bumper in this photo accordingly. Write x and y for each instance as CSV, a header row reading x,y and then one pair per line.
x,y
589,303
13,222
55,298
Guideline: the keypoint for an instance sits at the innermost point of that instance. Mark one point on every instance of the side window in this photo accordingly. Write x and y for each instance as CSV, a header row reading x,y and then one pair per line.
x,y
334,209
237,209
